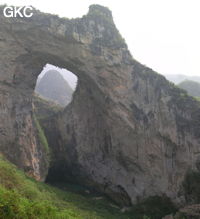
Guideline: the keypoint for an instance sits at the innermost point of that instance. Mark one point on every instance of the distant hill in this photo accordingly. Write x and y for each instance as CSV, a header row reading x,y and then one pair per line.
x,y
192,87
70,77
45,108
176,79
52,86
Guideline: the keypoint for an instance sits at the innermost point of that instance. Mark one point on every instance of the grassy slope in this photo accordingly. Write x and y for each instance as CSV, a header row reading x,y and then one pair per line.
x,y
22,197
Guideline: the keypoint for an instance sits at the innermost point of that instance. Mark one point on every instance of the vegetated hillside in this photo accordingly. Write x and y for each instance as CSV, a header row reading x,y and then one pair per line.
x,y
52,86
192,87
178,78
23,197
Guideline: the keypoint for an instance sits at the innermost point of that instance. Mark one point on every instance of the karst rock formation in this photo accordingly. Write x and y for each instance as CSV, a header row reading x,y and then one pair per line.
x,y
128,132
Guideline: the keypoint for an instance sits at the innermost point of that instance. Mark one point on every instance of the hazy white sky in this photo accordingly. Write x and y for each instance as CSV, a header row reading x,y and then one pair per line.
x,y
70,77
162,34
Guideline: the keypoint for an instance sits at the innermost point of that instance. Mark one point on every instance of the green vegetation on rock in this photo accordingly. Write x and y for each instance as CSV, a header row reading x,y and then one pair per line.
x,y
197,98
192,87
44,109
41,134
154,207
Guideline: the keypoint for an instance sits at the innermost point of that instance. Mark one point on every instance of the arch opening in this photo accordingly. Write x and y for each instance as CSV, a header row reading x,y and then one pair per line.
x,y
54,91
55,85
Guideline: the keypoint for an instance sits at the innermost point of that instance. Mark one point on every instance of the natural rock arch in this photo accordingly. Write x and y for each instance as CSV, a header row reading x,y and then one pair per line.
x,y
128,131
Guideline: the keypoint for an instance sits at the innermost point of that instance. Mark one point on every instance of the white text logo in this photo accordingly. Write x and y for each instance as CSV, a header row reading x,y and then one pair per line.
x,y
13,11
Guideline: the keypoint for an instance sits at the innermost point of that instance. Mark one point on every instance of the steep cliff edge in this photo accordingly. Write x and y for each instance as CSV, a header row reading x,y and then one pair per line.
x,y
128,132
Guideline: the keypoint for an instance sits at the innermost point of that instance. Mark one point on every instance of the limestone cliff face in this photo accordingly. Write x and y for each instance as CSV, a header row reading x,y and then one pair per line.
x,y
128,132
19,137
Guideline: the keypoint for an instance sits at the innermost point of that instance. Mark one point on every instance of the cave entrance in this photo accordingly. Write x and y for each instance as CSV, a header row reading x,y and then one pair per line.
x,y
55,85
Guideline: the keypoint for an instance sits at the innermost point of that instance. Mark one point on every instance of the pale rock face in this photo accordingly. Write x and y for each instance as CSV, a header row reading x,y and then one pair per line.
x,y
128,132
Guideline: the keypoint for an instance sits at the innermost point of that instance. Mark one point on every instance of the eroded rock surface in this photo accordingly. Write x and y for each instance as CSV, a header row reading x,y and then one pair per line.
x,y
128,132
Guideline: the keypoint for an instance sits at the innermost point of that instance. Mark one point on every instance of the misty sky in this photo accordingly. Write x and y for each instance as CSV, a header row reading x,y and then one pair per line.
x,y
162,34
71,78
